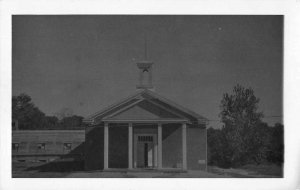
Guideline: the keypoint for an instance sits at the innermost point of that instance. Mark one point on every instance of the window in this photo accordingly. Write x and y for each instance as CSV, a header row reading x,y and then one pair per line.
x,y
67,146
145,138
41,146
15,146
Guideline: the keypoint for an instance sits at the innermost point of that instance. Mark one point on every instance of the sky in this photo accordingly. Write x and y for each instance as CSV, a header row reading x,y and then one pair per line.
x,y
84,63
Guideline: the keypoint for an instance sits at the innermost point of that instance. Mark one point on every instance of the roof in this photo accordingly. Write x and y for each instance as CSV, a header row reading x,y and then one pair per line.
x,y
145,105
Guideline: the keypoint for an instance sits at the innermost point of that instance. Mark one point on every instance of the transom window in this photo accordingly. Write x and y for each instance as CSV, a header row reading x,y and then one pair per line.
x,y
145,138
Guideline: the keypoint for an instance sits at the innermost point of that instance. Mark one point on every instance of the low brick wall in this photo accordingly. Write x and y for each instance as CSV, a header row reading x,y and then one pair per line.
x,y
196,148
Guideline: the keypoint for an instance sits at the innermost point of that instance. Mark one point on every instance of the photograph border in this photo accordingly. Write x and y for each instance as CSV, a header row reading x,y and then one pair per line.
x,y
291,85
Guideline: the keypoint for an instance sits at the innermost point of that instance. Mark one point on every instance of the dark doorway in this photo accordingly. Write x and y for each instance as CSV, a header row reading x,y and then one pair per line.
x,y
146,155
145,151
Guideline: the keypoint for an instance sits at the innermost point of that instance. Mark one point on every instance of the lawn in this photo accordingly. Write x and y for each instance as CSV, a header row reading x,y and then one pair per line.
x,y
75,170
266,170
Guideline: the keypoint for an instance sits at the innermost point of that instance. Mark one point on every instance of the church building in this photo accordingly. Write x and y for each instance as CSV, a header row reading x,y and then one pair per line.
x,y
146,132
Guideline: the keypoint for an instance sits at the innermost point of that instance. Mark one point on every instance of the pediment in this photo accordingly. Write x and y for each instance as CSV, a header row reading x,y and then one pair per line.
x,y
144,110
145,105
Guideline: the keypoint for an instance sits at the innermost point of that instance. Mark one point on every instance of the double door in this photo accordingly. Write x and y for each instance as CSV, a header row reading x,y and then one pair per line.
x,y
145,151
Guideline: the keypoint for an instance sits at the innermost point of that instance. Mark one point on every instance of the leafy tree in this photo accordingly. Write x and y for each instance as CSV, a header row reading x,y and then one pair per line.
x,y
30,117
72,122
63,113
218,151
27,114
52,122
239,113
276,146
258,141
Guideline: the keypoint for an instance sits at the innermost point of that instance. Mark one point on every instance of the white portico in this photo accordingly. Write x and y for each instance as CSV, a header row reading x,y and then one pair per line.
x,y
146,130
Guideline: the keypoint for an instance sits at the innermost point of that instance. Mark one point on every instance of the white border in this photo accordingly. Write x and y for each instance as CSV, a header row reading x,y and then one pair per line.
x,y
289,9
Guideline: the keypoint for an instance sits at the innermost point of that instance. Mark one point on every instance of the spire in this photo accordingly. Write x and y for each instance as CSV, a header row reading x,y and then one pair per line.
x,y
145,67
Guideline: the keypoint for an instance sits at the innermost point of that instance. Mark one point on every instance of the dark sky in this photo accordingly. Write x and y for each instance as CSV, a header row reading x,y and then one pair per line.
x,y
85,63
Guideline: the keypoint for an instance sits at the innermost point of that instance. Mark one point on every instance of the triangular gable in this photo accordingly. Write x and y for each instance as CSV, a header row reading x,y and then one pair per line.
x,y
142,111
155,101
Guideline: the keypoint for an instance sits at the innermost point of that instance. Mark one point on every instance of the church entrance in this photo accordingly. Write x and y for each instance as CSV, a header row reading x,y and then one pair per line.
x,y
145,151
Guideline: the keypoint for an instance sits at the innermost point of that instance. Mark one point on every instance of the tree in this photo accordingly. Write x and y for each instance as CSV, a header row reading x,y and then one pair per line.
x,y
72,122
239,113
30,117
63,113
52,122
258,141
218,151
27,114
276,146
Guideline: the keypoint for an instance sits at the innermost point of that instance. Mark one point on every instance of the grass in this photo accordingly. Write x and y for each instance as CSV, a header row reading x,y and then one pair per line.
x,y
265,170
76,170
44,170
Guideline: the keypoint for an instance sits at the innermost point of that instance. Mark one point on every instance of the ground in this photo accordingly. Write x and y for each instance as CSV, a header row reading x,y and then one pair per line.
x,y
250,171
75,170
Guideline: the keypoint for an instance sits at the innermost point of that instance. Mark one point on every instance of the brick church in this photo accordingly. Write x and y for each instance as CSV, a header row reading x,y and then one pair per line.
x,y
145,131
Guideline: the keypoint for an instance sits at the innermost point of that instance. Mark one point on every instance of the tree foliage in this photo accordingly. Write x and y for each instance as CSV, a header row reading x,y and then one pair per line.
x,y
244,137
31,117
239,113
27,114
276,146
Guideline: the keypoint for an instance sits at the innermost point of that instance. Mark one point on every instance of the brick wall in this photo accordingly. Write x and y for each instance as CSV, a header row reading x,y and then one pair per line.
x,y
171,146
196,148
118,147
94,148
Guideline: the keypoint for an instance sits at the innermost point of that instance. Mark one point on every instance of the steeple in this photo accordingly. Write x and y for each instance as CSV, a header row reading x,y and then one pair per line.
x,y
145,67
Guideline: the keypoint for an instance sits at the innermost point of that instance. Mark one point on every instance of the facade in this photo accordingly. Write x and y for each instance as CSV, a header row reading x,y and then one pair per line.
x,y
47,145
146,131
143,131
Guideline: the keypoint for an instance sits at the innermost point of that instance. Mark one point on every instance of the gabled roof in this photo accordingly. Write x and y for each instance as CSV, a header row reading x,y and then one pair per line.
x,y
169,109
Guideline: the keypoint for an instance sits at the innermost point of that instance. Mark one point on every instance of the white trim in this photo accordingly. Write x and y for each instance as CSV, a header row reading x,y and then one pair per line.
x,y
140,94
154,161
145,120
159,146
130,145
206,149
171,103
184,147
106,145
166,109
123,109
119,103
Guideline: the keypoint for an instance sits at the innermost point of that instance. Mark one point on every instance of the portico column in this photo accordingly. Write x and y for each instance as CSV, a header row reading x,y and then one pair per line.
x,y
184,162
159,146
105,145
130,131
